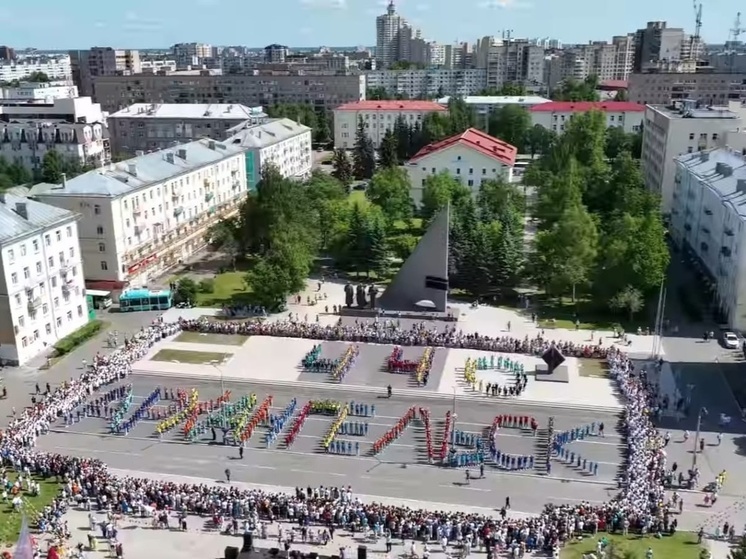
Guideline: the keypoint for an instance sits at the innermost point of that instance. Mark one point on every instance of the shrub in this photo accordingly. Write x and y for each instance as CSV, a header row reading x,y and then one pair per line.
x,y
206,286
80,336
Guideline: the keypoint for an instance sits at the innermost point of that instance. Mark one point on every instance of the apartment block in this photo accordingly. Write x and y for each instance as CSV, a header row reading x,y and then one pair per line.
x,y
430,83
56,67
707,88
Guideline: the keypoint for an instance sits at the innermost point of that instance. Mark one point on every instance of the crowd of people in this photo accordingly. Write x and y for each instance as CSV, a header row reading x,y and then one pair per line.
x,y
639,505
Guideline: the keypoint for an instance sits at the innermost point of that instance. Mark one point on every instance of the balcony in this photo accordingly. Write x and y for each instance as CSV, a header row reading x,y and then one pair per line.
x,y
34,304
209,196
138,230
178,211
136,211
207,183
175,194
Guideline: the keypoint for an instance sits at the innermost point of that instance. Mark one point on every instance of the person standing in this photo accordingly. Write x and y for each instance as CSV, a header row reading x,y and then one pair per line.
x,y
240,452
227,475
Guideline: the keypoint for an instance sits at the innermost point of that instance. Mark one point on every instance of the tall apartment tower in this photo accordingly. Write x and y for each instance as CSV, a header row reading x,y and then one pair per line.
x,y
657,43
101,61
387,36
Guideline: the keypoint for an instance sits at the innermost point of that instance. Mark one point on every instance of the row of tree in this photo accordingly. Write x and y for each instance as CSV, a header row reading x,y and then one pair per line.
x,y
599,231
318,121
53,166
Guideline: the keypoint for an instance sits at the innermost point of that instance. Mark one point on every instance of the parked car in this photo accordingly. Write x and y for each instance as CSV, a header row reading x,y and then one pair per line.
x,y
730,340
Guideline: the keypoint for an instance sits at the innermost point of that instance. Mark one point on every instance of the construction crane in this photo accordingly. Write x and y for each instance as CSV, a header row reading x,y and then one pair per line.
x,y
736,31
694,42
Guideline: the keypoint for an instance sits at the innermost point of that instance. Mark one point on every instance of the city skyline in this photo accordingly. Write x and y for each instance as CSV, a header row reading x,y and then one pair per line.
x,y
299,23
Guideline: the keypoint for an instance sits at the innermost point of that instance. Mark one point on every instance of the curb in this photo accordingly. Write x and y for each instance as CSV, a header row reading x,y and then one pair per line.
x,y
368,390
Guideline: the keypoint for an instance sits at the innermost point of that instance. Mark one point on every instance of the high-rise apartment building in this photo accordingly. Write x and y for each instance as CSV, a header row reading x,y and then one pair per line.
x,y
7,53
388,26
510,61
658,43
102,61
191,54
275,54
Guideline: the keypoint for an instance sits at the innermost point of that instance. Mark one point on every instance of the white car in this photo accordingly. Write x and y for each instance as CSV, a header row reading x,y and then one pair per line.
x,y
730,340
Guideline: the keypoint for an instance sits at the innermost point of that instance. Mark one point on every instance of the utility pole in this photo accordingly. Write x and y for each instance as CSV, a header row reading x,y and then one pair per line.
x,y
702,411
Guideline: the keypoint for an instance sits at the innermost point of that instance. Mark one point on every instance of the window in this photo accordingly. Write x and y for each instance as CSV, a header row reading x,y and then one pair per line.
x,y
71,252
101,247
14,278
36,334
26,273
38,267
54,281
80,310
21,321
11,255
48,328
56,302
484,171
470,182
96,209
69,315
50,261
35,244
714,136
691,136
58,235
18,298
104,266
69,231
45,308
58,322
24,341
99,230
23,250
471,171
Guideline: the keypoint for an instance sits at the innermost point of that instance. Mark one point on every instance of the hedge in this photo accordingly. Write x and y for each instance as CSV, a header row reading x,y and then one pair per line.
x,y
80,336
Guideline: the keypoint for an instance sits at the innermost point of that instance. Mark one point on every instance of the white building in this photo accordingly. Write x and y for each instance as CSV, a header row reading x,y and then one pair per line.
x,y
429,83
46,92
556,114
673,130
42,295
282,142
708,211
150,126
145,215
471,157
55,67
155,66
75,128
483,105
379,116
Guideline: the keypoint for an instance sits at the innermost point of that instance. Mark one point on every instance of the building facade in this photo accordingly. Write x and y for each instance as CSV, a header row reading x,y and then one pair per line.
x,y
483,105
378,116
510,61
146,126
282,142
556,114
42,293
472,157
55,67
46,92
322,92
388,26
145,215
707,222
673,130
102,61
74,128
430,83
705,87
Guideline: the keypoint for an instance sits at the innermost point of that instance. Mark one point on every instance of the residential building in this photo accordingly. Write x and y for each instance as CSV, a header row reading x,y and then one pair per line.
x,y
42,294
34,91
483,105
7,53
87,65
471,157
323,92
282,142
379,116
189,55
708,212
510,61
155,66
656,43
429,83
74,128
275,54
708,88
145,215
556,114
673,130
388,26
56,67
146,126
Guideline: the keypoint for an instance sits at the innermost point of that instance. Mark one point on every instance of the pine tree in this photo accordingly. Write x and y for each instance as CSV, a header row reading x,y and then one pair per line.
x,y
342,167
364,157
403,133
377,248
388,155
357,239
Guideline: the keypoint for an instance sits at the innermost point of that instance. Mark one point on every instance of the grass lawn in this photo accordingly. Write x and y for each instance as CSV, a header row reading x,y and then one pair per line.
x,y
358,197
682,545
230,289
561,314
10,521
191,357
220,339
593,368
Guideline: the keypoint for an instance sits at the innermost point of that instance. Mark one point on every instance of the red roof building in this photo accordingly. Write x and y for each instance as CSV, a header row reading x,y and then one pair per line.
x,y
472,157
398,106
585,106
555,115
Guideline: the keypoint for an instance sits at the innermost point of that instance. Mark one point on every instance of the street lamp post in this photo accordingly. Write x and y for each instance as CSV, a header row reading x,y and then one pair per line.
x,y
453,419
222,390
658,327
702,412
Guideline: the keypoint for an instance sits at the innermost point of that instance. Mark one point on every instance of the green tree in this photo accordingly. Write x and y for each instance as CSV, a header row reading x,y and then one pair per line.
x,y
378,248
364,154
327,197
224,236
403,133
357,240
460,117
299,112
539,140
574,90
37,77
402,246
322,134
585,136
511,124
617,141
438,191
186,291
342,167
562,191
565,254
52,167
739,551
629,299
388,154
508,89
389,189
377,94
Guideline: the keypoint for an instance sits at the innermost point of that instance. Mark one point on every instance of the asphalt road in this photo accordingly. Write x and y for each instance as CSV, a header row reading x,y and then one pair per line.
x,y
399,471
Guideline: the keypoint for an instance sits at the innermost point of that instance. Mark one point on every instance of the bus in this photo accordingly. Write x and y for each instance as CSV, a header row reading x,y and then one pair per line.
x,y
98,299
145,300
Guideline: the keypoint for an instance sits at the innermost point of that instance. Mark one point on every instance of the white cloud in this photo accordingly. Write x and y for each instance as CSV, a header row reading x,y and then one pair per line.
x,y
325,4
133,22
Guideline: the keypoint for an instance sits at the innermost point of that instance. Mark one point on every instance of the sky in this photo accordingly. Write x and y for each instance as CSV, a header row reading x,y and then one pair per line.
x,y
55,24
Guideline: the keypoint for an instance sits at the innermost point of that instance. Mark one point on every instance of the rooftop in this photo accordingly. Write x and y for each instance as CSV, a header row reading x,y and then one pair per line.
x,y
700,113
249,136
20,216
425,106
476,140
128,176
499,100
188,111
585,106
724,170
